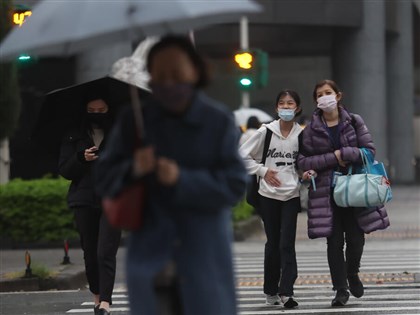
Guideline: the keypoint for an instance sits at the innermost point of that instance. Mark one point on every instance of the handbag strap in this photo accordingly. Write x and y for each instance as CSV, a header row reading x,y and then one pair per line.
x,y
267,141
365,160
138,116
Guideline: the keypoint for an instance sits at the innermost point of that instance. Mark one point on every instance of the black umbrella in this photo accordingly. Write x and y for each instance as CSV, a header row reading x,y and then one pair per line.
x,y
65,108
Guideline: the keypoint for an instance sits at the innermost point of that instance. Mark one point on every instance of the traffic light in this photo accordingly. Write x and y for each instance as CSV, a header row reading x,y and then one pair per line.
x,y
251,69
20,14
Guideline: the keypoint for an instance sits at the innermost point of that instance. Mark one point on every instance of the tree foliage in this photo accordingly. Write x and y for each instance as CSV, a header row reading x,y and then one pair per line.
x,y
9,89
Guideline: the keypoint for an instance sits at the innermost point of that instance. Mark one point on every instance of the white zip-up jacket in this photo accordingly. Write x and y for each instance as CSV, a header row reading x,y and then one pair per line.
x,y
281,156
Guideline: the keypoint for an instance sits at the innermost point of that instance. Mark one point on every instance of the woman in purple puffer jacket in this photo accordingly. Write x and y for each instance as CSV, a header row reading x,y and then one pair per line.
x,y
329,144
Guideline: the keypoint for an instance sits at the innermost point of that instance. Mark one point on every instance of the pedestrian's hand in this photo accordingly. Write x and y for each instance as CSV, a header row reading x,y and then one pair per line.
x,y
308,174
144,161
90,154
338,156
167,171
271,178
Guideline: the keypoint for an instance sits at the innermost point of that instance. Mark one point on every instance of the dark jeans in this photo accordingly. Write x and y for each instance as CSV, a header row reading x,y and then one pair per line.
x,y
280,267
100,243
345,228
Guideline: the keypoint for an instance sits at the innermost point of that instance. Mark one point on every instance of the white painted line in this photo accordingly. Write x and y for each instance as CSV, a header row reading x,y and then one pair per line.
x,y
400,268
113,303
326,291
330,310
321,264
364,298
328,302
321,256
367,287
89,310
120,289
41,292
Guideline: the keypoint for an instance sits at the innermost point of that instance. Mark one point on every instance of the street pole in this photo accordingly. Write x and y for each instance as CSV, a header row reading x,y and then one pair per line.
x,y
244,42
4,161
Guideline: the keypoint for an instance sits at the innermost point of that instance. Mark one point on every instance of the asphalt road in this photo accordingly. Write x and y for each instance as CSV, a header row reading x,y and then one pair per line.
x,y
388,269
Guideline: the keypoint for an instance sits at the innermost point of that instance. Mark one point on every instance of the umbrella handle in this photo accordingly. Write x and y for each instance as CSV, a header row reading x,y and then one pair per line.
x,y
138,115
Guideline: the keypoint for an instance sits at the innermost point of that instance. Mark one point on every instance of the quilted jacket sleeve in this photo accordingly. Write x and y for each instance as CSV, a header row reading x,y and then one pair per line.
x,y
364,140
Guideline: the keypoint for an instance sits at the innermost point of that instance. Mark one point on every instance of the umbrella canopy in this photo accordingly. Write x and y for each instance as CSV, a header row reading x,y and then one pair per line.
x,y
64,109
59,28
132,69
242,115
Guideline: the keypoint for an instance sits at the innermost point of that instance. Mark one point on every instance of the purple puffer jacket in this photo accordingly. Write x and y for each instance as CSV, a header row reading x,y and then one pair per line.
x,y
317,153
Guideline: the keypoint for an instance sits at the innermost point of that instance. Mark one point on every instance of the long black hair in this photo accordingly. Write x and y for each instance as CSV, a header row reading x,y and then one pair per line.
x,y
293,95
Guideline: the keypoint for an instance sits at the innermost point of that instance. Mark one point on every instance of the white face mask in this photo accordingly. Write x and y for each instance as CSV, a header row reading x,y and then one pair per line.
x,y
327,103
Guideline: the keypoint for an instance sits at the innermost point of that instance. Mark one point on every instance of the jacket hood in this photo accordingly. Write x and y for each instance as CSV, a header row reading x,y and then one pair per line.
x,y
274,126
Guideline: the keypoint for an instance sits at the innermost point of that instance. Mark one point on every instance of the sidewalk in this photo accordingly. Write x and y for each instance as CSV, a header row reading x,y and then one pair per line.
x,y
403,210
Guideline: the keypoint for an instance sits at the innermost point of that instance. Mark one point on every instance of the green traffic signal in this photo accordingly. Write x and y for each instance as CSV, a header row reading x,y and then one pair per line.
x,y
245,82
24,58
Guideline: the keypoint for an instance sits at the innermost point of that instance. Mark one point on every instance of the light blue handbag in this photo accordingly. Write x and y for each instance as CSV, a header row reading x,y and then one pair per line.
x,y
370,188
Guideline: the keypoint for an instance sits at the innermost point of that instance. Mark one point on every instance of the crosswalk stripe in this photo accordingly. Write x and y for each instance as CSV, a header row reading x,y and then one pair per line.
x,y
297,291
328,301
416,297
85,310
363,268
367,287
380,297
318,264
330,310
113,303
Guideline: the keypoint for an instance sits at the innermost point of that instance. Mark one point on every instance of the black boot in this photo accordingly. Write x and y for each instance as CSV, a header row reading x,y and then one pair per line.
x,y
103,311
356,286
341,298
96,309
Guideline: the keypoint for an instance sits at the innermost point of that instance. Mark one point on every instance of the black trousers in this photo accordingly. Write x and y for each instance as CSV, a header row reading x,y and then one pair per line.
x,y
280,267
100,244
345,228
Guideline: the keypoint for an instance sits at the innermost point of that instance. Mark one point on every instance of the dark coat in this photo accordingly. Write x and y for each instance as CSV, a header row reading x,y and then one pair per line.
x,y
190,222
317,153
72,166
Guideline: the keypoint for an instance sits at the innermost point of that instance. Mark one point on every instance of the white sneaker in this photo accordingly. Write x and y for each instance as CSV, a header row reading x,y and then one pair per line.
x,y
272,299
288,301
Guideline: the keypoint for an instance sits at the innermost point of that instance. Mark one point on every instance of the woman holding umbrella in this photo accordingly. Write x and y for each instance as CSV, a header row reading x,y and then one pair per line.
x,y
194,176
80,149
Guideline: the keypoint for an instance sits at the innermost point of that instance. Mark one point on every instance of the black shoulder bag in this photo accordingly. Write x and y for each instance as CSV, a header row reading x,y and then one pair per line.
x,y
252,195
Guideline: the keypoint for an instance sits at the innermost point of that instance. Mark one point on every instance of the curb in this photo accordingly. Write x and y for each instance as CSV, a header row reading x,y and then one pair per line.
x,y
246,228
65,280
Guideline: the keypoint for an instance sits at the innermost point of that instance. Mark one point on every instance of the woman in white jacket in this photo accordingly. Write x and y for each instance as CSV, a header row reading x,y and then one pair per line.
x,y
279,201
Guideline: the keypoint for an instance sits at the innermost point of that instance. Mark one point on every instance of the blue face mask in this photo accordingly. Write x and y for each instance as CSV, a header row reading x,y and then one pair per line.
x,y
286,114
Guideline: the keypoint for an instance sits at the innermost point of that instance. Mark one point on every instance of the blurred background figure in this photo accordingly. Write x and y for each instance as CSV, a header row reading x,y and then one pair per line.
x,y
193,174
80,150
252,126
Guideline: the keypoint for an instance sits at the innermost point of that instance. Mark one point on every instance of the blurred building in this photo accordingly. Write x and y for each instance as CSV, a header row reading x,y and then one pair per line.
x,y
370,48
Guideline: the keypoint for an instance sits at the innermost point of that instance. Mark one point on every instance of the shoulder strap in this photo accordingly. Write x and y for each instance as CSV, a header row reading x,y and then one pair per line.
x,y
353,123
267,141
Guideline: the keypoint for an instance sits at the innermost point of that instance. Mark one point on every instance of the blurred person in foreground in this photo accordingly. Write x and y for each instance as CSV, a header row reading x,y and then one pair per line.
x,y
79,152
194,177
252,126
